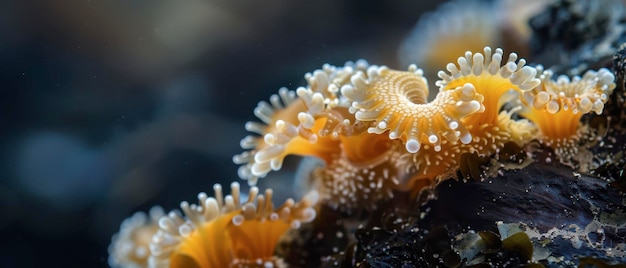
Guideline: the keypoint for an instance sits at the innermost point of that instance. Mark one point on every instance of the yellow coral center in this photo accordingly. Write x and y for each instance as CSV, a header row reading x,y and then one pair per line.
x,y
207,246
219,242
323,147
493,88
555,126
256,239
365,147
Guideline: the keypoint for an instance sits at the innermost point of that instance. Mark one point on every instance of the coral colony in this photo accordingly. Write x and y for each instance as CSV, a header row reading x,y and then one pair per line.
x,y
508,163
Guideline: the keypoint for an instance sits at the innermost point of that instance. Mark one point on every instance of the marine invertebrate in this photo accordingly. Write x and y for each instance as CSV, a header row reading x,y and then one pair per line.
x,y
498,82
557,106
360,167
396,102
131,246
221,231
284,107
343,117
343,112
306,124
378,142
491,77
466,116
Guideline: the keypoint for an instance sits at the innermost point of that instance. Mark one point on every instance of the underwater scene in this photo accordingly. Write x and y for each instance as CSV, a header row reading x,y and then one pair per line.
x,y
477,133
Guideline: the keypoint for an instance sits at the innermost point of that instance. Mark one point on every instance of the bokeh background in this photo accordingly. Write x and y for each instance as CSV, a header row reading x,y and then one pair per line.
x,y
111,107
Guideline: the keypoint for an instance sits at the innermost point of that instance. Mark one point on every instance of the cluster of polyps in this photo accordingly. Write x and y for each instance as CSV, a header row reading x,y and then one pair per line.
x,y
376,133
355,117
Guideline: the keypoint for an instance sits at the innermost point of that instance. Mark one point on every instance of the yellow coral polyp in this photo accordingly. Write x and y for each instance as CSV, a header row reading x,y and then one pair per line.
x,y
306,122
222,232
555,126
491,77
292,141
256,240
557,106
285,107
395,101
281,137
200,248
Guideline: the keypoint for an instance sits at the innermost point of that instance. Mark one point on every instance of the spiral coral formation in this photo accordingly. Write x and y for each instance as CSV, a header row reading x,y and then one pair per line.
x,y
396,102
353,117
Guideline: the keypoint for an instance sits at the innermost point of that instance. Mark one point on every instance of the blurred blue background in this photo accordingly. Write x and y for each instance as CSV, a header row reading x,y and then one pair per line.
x,y
109,107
